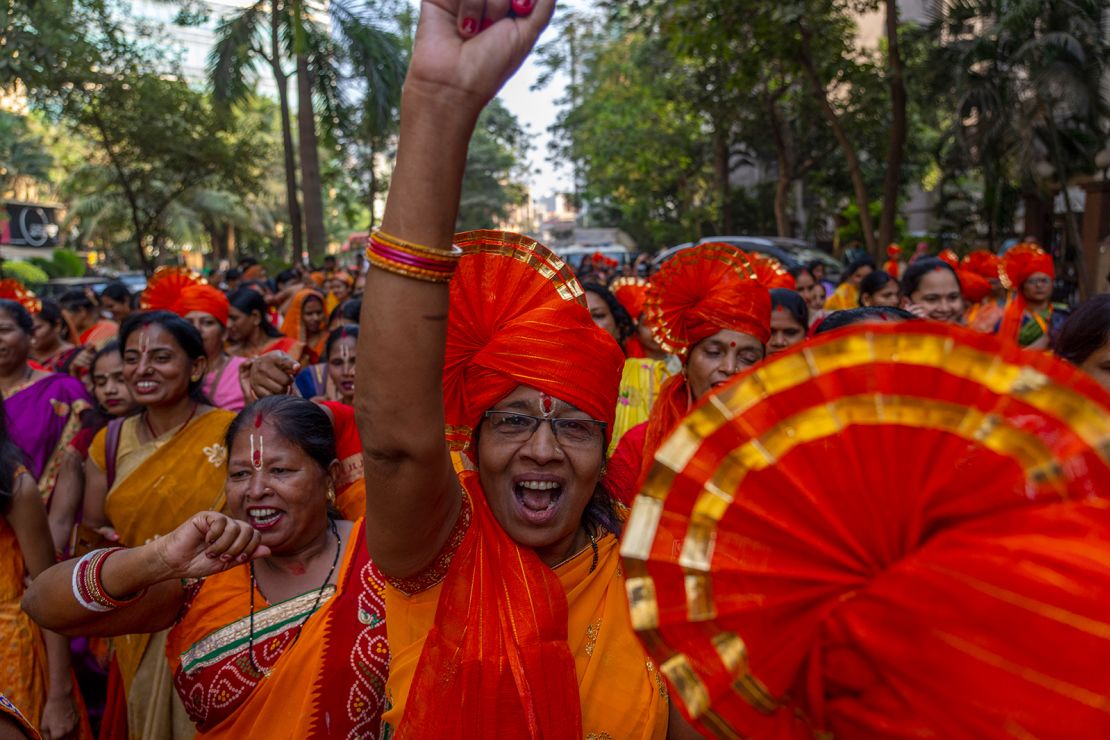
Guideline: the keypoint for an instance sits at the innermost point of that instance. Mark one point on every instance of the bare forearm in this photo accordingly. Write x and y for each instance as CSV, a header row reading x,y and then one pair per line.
x,y
58,664
51,603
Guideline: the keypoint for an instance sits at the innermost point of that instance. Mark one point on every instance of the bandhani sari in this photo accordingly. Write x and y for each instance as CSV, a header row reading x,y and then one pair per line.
x,y
43,416
322,673
620,691
159,484
22,653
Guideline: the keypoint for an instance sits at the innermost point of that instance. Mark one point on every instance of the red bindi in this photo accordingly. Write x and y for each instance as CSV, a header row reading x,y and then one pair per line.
x,y
732,344
258,421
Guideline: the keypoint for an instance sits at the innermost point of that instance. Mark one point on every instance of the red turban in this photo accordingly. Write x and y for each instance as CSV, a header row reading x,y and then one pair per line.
x,y
703,290
893,250
983,263
632,293
519,317
13,290
974,286
770,273
947,255
180,290
204,298
699,292
1022,261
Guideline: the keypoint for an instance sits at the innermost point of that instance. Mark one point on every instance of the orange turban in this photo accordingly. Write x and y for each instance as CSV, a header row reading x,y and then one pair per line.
x,y
974,286
699,292
893,250
770,273
947,255
632,293
1022,261
983,263
207,299
703,290
13,290
519,317
180,290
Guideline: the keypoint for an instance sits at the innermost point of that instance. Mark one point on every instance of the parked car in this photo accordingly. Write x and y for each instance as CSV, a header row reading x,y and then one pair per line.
x,y
790,252
135,282
573,256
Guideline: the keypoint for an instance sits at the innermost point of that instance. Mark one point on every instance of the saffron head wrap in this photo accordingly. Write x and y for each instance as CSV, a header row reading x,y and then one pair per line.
x,y
180,290
770,273
703,290
947,255
983,263
13,290
1022,261
292,326
632,293
519,317
974,286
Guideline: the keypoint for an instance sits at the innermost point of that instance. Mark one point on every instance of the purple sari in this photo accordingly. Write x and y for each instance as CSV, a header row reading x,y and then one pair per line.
x,y
42,419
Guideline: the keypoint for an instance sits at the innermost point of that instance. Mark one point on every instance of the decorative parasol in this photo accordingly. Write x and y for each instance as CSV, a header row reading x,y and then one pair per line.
x,y
165,288
894,531
13,290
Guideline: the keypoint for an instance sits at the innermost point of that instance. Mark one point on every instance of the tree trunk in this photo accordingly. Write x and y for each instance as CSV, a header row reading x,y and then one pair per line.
x,y
896,144
281,80
782,157
851,158
311,187
721,165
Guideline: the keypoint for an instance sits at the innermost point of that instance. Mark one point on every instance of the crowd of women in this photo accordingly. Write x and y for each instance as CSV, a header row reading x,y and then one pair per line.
x,y
468,492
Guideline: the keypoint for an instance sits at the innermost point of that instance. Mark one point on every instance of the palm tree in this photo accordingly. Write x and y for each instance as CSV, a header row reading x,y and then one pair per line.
x,y
357,50
1029,81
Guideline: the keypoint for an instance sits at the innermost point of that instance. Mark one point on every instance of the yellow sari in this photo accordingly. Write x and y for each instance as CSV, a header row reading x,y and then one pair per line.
x,y
640,382
158,485
621,691
844,297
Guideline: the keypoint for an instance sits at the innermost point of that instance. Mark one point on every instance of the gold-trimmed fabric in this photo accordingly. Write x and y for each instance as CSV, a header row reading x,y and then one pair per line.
x,y
862,533
518,317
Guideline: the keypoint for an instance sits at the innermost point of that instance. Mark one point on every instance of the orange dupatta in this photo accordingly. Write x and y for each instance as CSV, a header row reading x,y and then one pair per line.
x,y
293,325
503,645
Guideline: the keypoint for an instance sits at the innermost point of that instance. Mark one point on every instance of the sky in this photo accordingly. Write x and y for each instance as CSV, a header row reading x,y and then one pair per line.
x,y
536,111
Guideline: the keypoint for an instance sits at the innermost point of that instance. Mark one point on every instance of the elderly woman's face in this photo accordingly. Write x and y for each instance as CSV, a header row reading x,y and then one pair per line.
x,y
717,358
539,482
276,487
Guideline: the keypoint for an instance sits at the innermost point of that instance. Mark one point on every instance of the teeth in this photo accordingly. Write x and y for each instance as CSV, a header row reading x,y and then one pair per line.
x,y
539,485
263,513
146,385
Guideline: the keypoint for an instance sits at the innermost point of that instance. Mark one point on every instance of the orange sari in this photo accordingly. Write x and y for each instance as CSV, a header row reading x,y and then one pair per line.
x,y
100,333
322,673
293,325
22,653
595,634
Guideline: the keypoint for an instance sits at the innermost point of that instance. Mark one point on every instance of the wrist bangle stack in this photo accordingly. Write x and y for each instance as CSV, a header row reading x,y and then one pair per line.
x,y
88,588
412,260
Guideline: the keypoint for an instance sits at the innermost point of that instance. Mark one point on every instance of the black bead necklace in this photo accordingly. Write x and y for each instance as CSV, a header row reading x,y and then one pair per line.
x,y
315,604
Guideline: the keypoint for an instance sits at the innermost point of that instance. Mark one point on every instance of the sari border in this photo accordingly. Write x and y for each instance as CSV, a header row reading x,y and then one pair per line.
x,y
215,646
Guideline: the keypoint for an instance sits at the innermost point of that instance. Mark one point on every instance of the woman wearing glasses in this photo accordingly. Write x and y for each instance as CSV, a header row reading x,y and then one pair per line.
x,y
507,613
1031,317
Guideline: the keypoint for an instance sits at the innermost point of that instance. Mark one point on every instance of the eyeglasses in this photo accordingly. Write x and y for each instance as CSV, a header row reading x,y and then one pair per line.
x,y
514,427
1039,281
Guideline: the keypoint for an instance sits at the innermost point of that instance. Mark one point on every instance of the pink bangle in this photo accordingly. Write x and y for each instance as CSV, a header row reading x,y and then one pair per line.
x,y
412,260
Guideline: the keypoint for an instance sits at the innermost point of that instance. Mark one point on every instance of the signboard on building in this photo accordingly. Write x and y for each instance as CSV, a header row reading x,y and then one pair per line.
x,y
29,225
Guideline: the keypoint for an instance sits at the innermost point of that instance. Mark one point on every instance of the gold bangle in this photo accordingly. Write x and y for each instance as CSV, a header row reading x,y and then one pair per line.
x,y
416,249
416,273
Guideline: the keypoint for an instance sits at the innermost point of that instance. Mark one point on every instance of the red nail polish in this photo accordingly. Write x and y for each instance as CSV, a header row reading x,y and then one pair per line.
x,y
522,6
469,25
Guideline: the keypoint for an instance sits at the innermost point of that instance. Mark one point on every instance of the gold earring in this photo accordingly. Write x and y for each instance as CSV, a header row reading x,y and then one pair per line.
x,y
331,493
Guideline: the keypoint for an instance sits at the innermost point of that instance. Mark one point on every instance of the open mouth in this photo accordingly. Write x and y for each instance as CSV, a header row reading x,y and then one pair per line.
x,y
537,500
146,386
263,517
